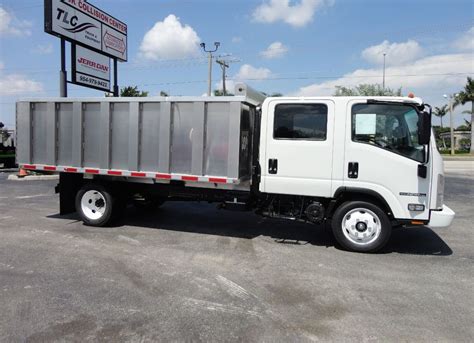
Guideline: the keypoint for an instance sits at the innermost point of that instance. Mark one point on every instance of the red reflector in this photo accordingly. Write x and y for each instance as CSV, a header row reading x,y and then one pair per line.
x,y
29,166
138,174
49,168
70,170
189,178
114,172
92,171
416,222
163,176
217,180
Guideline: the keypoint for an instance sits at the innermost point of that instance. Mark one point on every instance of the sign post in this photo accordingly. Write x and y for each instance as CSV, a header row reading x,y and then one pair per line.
x,y
85,25
63,72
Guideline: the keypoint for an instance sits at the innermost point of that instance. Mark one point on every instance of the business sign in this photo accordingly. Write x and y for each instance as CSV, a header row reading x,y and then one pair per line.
x,y
90,68
84,24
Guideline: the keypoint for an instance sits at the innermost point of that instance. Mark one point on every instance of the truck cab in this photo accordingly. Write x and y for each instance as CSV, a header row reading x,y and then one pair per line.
x,y
356,151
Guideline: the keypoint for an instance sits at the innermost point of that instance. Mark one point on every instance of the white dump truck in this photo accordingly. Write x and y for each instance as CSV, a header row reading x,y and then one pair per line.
x,y
362,164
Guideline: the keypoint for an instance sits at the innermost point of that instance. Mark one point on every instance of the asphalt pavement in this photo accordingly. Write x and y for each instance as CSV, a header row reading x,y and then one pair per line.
x,y
191,272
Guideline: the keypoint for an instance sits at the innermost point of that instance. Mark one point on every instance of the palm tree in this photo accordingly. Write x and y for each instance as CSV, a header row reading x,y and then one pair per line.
x,y
441,112
465,96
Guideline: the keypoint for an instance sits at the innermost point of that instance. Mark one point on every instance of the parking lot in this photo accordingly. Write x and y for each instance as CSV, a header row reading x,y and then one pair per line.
x,y
191,272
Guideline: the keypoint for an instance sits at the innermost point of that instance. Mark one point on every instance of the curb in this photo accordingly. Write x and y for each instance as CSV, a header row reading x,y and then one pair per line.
x,y
458,158
14,177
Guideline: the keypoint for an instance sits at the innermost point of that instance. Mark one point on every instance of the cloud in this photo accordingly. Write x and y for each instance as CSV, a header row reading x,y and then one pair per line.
x,y
229,86
169,39
11,26
397,53
18,84
422,76
248,72
274,50
236,40
295,13
466,41
44,49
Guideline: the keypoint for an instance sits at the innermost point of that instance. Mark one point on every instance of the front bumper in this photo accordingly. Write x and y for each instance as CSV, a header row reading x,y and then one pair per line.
x,y
442,218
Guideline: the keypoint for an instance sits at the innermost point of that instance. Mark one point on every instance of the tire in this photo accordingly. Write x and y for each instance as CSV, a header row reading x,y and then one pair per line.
x,y
96,205
361,226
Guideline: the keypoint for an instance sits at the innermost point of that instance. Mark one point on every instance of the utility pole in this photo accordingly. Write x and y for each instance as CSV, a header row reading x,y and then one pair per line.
x,y
209,77
224,66
383,81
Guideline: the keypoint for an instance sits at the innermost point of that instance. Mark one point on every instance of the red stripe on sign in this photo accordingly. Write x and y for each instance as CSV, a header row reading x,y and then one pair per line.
x,y
49,168
163,176
189,178
92,171
114,172
134,174
29,166
70,170
217,180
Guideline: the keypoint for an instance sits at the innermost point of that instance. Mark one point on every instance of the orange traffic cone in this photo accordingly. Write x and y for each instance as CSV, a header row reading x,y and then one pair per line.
x,y
22,173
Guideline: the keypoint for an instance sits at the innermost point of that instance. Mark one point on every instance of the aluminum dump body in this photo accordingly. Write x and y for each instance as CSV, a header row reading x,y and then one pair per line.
x,y
204,140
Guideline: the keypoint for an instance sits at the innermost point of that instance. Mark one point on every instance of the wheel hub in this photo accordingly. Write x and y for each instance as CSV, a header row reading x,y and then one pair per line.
x,y
361,226
93,204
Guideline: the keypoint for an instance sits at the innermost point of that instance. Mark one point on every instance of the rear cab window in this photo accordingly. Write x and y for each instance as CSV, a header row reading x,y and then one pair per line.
x,y
300,122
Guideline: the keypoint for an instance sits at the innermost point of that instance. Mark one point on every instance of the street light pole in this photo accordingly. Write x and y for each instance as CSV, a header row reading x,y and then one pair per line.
x,y
209,76
383,81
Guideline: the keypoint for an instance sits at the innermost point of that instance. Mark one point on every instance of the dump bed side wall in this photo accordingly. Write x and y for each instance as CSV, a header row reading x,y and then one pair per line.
x,y
176,137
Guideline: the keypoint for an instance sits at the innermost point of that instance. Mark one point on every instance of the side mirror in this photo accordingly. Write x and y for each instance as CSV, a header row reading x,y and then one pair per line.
x,y
424,128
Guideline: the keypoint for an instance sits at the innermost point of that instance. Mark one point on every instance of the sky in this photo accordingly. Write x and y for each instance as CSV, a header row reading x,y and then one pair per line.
x,y
298,48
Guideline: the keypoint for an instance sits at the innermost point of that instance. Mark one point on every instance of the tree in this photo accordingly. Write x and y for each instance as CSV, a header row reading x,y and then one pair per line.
x,y
273,95
441,112
367,90
163,93
219,92
130,91
465,96
3,133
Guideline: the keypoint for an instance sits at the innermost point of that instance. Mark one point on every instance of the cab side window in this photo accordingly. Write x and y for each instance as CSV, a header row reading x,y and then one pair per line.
x,y
301,122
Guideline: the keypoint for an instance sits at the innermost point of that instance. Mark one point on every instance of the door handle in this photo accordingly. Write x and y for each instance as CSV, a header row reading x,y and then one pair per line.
x,y
353,172
272,166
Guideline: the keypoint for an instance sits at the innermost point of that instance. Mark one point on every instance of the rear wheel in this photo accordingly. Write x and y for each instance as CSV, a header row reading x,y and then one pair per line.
x,y
95,204
361,226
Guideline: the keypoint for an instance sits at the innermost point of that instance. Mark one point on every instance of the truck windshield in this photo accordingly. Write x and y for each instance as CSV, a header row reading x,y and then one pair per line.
x,y
393,127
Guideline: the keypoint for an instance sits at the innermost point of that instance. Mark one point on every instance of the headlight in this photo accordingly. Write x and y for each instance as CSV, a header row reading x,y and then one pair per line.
x,y
440,192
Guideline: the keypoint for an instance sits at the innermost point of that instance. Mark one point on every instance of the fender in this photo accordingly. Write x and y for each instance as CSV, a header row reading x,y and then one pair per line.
x,y
355,190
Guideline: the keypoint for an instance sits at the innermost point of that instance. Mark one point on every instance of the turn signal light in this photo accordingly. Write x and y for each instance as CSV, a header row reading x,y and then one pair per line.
x,y
416,222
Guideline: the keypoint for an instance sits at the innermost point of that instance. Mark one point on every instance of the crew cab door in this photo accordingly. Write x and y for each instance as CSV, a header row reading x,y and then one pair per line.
x,y
382,156
296,148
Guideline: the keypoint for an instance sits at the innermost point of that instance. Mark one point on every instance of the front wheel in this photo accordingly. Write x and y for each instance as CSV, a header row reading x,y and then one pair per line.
x,y
95,204
361,226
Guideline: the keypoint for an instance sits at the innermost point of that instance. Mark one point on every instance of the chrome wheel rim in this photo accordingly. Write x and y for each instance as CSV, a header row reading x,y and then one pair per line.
x,y
93,205
361,226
